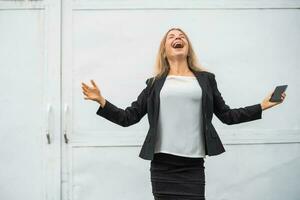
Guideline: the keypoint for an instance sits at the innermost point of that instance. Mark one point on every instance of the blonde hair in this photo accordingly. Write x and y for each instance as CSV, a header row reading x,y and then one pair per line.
x,y
162,64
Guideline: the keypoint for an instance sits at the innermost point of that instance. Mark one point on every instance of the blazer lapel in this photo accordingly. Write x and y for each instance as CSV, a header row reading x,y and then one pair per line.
x,y
157,88
202,80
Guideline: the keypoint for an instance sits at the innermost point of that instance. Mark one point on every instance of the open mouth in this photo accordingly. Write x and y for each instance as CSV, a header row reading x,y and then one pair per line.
x,y
177,44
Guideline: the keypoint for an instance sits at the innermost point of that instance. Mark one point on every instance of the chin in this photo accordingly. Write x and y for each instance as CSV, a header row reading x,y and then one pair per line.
x,y
181,55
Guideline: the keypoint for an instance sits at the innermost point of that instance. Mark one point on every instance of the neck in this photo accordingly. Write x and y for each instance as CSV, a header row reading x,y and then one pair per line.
x,y
178,66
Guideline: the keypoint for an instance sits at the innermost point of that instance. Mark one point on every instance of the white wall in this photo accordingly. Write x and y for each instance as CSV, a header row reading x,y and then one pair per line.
x,y
29,83
250,49
251,46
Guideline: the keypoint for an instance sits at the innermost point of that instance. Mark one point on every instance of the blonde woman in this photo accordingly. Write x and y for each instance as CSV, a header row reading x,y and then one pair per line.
x,y
180,100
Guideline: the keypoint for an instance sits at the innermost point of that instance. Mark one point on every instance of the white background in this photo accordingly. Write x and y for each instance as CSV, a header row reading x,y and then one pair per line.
x,y
49,47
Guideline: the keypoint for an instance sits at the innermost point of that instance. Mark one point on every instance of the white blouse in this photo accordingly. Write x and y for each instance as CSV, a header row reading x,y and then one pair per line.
x,y
179,128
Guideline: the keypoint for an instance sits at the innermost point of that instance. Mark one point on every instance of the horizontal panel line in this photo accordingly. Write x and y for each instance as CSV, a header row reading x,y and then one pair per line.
x,y
95,145
260,143
41,8
145,8
79,145
22,5
228,137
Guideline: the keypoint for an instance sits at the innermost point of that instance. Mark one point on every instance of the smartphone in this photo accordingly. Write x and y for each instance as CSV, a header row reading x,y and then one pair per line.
x,y
276,96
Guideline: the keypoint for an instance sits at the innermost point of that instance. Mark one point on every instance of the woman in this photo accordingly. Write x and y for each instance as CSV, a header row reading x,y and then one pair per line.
x,y
171,99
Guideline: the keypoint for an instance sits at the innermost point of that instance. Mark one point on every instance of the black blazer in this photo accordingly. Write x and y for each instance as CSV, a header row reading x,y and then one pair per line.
x,y
212,102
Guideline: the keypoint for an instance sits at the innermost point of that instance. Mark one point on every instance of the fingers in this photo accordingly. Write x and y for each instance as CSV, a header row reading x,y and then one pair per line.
x,y
89,91
86,96
85,86
94,84
283,95
84,89
85,93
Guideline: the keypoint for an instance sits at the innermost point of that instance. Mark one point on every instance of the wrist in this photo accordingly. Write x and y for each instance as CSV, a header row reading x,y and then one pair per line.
x,y
263,107
101,101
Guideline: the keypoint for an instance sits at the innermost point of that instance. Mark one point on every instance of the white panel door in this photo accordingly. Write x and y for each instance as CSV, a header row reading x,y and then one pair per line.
x,y
29,100
115,44
102,158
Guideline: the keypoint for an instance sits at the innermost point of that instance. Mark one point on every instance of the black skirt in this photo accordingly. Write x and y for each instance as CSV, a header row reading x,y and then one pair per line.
x,y
177,178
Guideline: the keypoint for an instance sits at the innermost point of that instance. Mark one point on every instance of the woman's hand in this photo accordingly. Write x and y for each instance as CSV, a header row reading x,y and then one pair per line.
x,y
92,93
268,104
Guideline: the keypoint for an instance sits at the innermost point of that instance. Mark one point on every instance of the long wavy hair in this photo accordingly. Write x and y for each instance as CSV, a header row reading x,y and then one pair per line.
x,y
162,64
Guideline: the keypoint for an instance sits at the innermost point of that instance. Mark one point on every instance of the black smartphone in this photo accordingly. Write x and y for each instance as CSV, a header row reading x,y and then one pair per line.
x,y
276,96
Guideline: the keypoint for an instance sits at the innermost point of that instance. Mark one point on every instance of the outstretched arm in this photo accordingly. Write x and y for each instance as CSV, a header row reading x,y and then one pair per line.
x,y
128,116
233,115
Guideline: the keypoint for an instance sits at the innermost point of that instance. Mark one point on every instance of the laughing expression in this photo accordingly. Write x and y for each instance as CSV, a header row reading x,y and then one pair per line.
x,y
176,44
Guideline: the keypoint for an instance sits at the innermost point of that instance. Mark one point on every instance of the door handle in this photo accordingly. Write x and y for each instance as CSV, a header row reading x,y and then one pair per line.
x,y
66,123
49,108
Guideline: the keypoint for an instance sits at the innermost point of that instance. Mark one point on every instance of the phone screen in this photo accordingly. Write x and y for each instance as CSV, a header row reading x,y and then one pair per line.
x,y
276,96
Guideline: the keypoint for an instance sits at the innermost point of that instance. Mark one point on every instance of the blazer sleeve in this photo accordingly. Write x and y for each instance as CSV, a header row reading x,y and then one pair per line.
x,y
232,115
128,116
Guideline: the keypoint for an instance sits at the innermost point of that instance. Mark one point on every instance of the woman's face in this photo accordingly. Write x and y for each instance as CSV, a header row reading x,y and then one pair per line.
x,y
176,45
